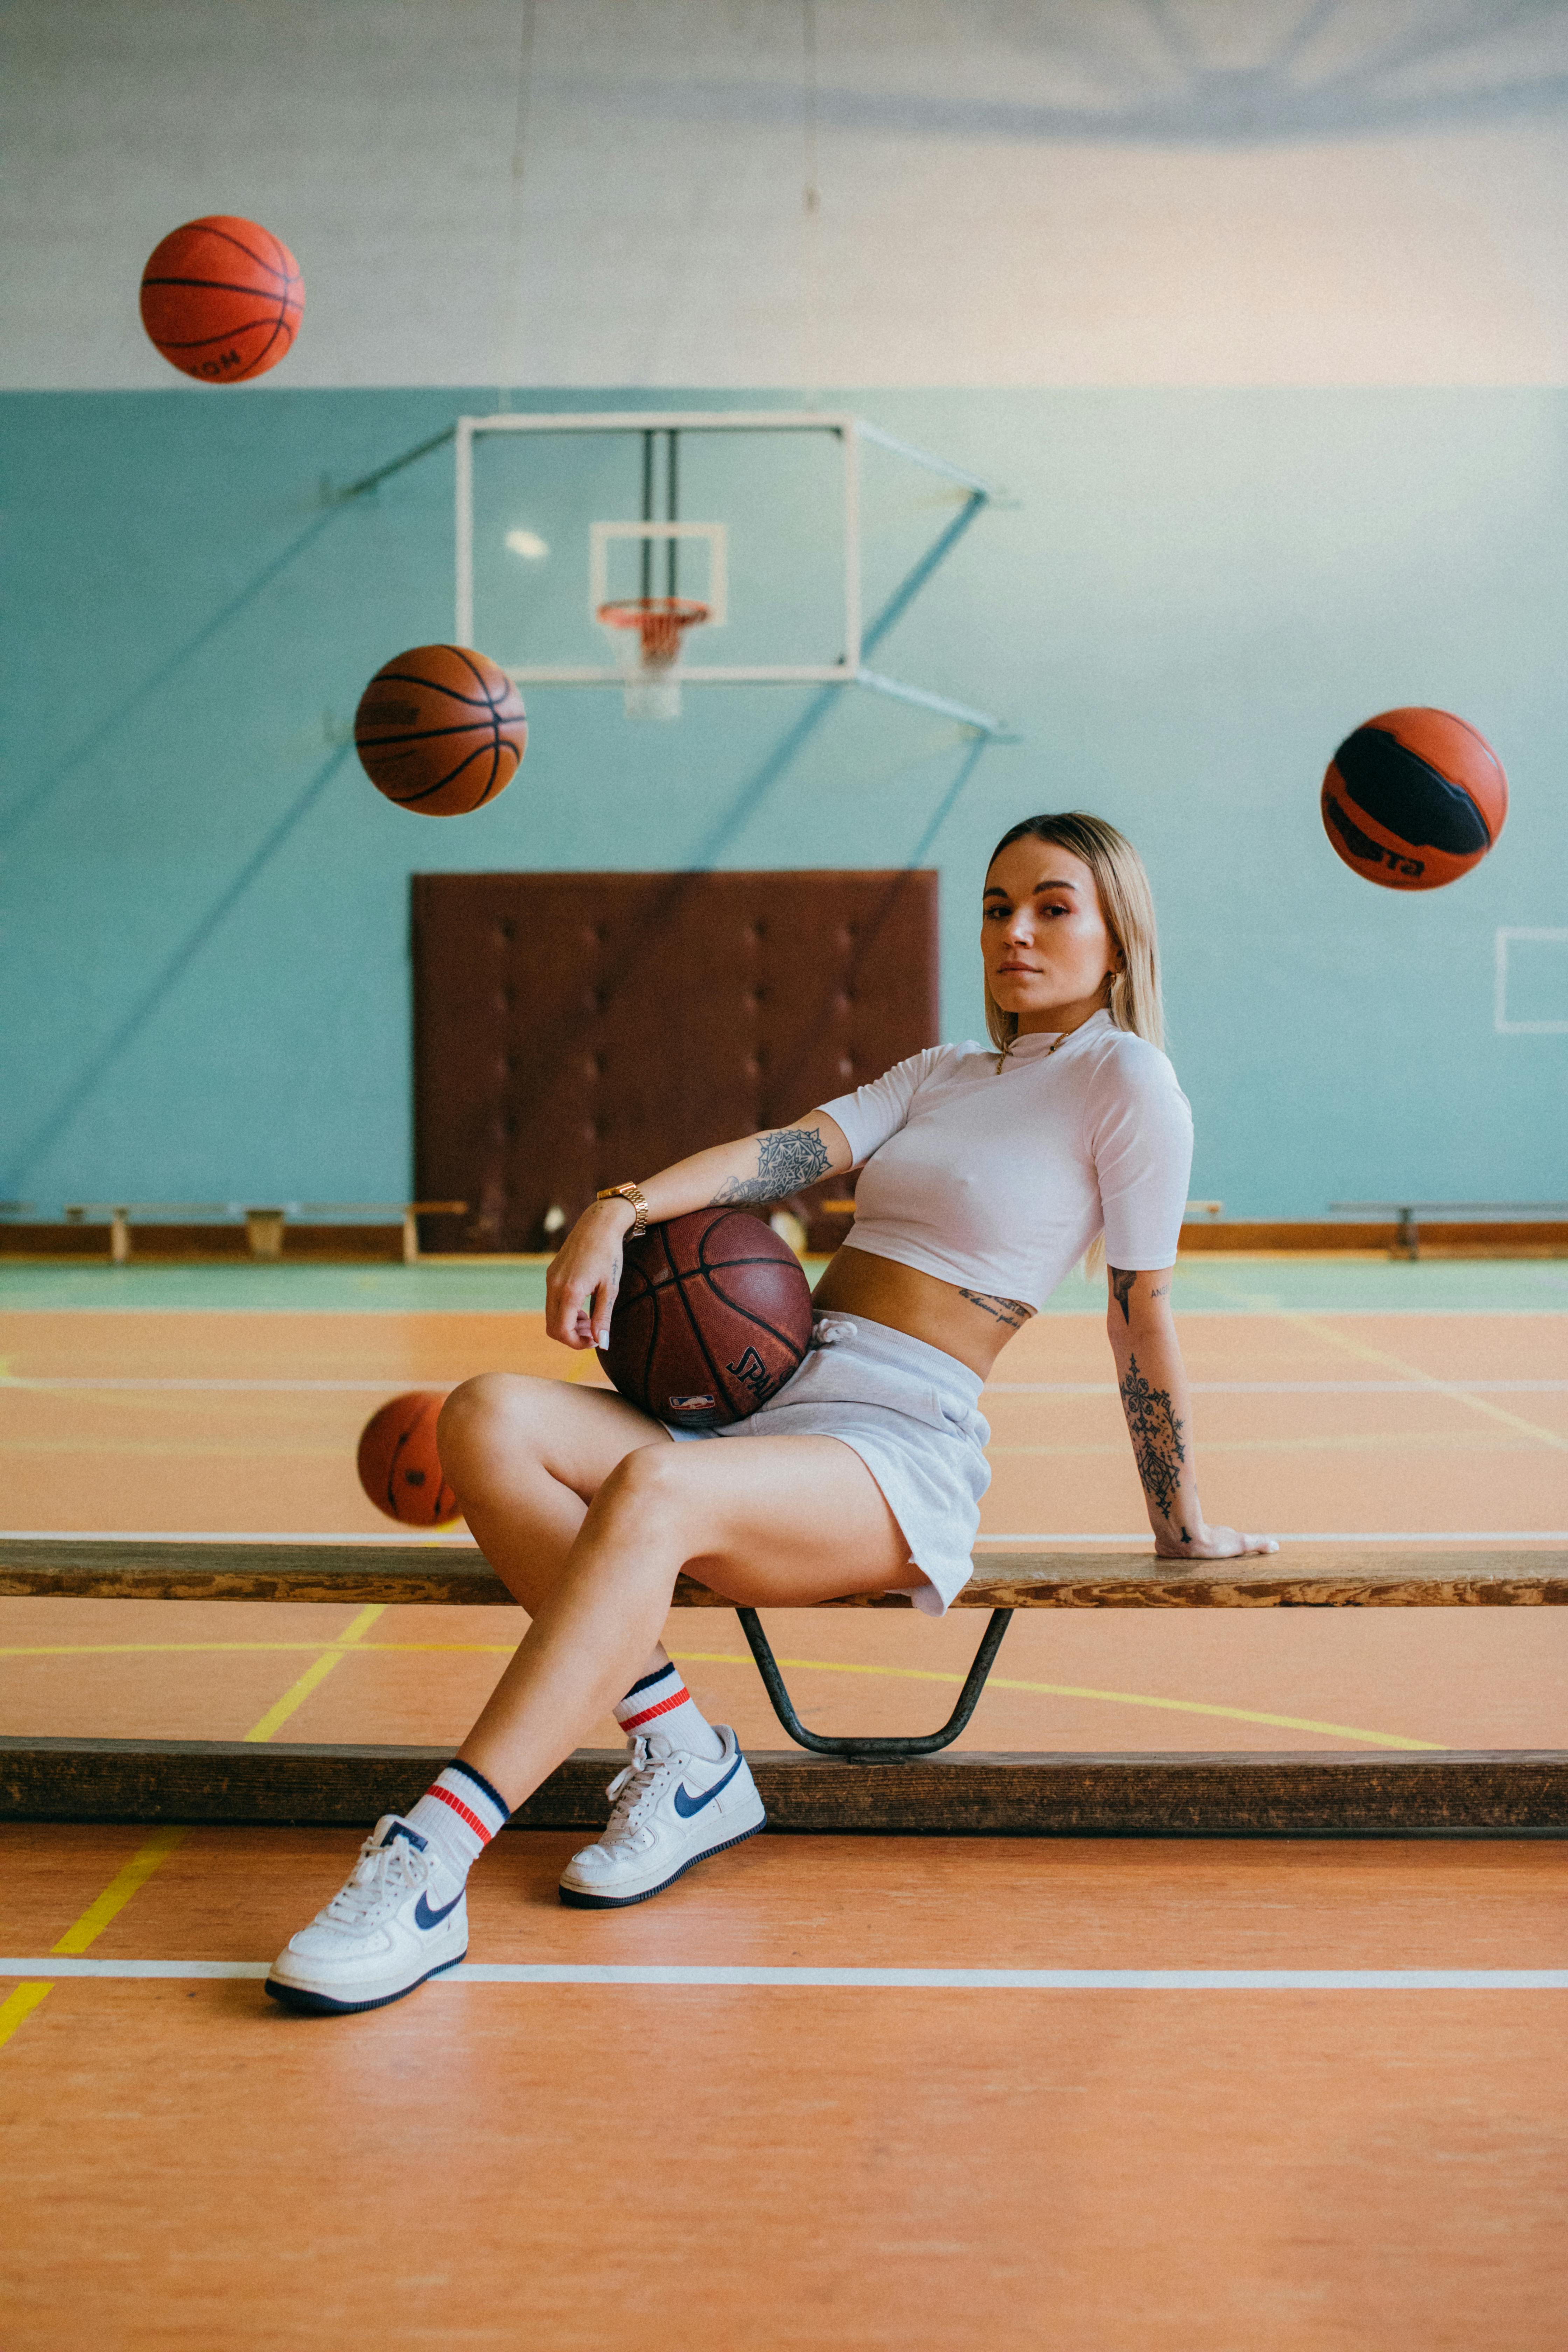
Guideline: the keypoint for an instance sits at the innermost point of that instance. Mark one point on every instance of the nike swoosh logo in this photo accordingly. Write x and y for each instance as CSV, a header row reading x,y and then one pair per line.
x,y
686,1806
424,1918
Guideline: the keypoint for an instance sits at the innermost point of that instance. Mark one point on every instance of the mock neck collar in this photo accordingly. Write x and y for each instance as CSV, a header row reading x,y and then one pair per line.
x,y
1041,1042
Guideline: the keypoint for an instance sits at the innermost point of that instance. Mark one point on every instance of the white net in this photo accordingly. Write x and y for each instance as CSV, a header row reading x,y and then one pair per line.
x,y
650,634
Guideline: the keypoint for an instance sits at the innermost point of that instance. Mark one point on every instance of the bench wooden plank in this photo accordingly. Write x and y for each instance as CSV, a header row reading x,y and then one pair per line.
x,y
970,1793
1303,1576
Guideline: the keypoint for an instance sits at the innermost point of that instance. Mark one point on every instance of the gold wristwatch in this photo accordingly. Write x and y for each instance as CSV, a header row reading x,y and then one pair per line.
x,y
639,1206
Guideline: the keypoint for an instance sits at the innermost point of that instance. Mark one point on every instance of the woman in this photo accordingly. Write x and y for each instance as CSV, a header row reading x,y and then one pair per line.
x,y
987,1175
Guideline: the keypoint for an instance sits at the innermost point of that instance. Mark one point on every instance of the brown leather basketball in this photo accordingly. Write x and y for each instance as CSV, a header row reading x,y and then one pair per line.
x,y
713,1315
440,729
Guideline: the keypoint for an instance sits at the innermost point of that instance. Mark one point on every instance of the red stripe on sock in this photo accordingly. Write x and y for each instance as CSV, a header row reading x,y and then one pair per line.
x,y
483,1834
630,1722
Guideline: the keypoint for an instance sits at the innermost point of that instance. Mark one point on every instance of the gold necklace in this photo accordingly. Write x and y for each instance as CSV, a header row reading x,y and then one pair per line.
x,y
1002,1056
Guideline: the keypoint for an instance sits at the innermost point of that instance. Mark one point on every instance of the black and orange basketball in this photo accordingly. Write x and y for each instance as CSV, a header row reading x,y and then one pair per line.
x,y
440,729
399,1467
222,299
1413,799
713,1315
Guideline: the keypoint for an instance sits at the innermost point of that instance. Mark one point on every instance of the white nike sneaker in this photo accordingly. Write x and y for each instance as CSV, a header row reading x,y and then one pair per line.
x,y
401,1917
673,1809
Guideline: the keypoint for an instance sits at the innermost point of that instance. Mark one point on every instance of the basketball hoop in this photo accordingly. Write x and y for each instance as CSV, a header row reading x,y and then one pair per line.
x,y
650,631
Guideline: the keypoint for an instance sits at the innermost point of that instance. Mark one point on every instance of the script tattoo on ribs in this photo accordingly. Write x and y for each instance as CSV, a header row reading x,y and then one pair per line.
x,y
1156,1436
788,1159
1011,1311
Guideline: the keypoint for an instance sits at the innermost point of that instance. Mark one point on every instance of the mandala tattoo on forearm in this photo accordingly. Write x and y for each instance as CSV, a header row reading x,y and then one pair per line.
x,y
788,1159
1157,1434
1011,1311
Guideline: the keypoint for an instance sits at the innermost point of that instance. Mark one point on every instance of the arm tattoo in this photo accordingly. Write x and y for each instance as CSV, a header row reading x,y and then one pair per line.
x,y
1156,1435
788,1159
1122,1285
1011,1311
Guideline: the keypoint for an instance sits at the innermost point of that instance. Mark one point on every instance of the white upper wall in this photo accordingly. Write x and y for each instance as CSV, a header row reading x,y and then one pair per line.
x,y
617,192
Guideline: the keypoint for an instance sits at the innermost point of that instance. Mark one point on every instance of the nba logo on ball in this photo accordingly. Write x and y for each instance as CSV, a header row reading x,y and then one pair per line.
x,y
1413,799
692,1404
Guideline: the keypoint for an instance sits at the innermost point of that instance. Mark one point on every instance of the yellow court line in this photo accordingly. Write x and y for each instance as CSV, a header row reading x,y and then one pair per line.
x,y
1072,1690
278,1714
19,2005
315,1674
119,1891
1461,1395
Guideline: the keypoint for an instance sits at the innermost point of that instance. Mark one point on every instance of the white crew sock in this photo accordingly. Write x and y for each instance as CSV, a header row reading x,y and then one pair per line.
x,y
458,1814
661,1703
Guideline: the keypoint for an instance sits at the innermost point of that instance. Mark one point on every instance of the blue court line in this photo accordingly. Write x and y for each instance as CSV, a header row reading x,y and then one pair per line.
x,y
506,1972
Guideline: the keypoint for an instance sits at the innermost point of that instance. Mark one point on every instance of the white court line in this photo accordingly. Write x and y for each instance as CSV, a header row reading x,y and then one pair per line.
x,y
1089,1314
885,1979
416,1535
1423,1536
1262,1388
463,1541
83,1380
992,1388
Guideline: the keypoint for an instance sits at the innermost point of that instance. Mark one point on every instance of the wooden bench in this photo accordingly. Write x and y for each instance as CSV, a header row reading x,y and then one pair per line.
x,y
840,1783
263,1227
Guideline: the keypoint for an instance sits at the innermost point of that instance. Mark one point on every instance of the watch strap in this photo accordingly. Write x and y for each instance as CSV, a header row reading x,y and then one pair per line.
x,y
639,1206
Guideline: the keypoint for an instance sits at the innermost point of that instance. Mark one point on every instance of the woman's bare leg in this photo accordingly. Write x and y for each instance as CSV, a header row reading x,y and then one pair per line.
x,y
777,1522
525,1458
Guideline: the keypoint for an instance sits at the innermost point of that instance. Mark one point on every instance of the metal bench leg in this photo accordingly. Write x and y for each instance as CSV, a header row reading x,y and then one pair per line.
x,y
924,1744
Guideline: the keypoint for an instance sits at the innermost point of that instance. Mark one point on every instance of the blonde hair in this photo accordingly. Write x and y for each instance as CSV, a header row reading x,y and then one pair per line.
x,y
1127,904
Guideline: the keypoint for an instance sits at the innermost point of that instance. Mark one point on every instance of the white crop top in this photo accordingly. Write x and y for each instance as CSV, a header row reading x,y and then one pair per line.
x,y
999,1181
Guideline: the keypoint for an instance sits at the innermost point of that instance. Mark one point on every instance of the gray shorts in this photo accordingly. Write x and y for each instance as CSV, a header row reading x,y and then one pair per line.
x,y
913,1415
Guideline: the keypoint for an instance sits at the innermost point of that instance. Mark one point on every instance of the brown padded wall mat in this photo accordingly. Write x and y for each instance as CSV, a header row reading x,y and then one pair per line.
x,y
576,1030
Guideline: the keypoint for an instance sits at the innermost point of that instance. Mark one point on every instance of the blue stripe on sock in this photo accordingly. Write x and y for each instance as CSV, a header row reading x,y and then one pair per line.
x,y
483,1786
648,1681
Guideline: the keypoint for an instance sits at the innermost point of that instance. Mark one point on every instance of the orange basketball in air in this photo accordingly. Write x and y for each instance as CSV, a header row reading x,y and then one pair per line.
x,y
1413,799
440,729
399,1467
222,299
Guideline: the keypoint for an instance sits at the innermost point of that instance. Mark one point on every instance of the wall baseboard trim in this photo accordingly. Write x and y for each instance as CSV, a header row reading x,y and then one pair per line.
x,y
159,1245
1477,1237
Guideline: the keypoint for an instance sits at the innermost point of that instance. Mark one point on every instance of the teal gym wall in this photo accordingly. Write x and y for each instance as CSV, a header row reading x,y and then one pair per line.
x,y
1185,600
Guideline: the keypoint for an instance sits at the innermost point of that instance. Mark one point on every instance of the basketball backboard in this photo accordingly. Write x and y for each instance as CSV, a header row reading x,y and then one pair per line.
x,y
653,550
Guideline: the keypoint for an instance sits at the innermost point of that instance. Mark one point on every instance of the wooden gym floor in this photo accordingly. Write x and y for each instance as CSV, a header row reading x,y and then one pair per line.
x,y
1307,2096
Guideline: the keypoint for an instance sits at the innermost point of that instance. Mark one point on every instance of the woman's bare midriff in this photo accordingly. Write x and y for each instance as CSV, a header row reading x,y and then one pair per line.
x,y
969,1324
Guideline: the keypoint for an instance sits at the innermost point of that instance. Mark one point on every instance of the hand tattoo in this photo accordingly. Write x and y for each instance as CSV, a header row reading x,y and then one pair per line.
x,y
788,1159
1156,1436
1011,1311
